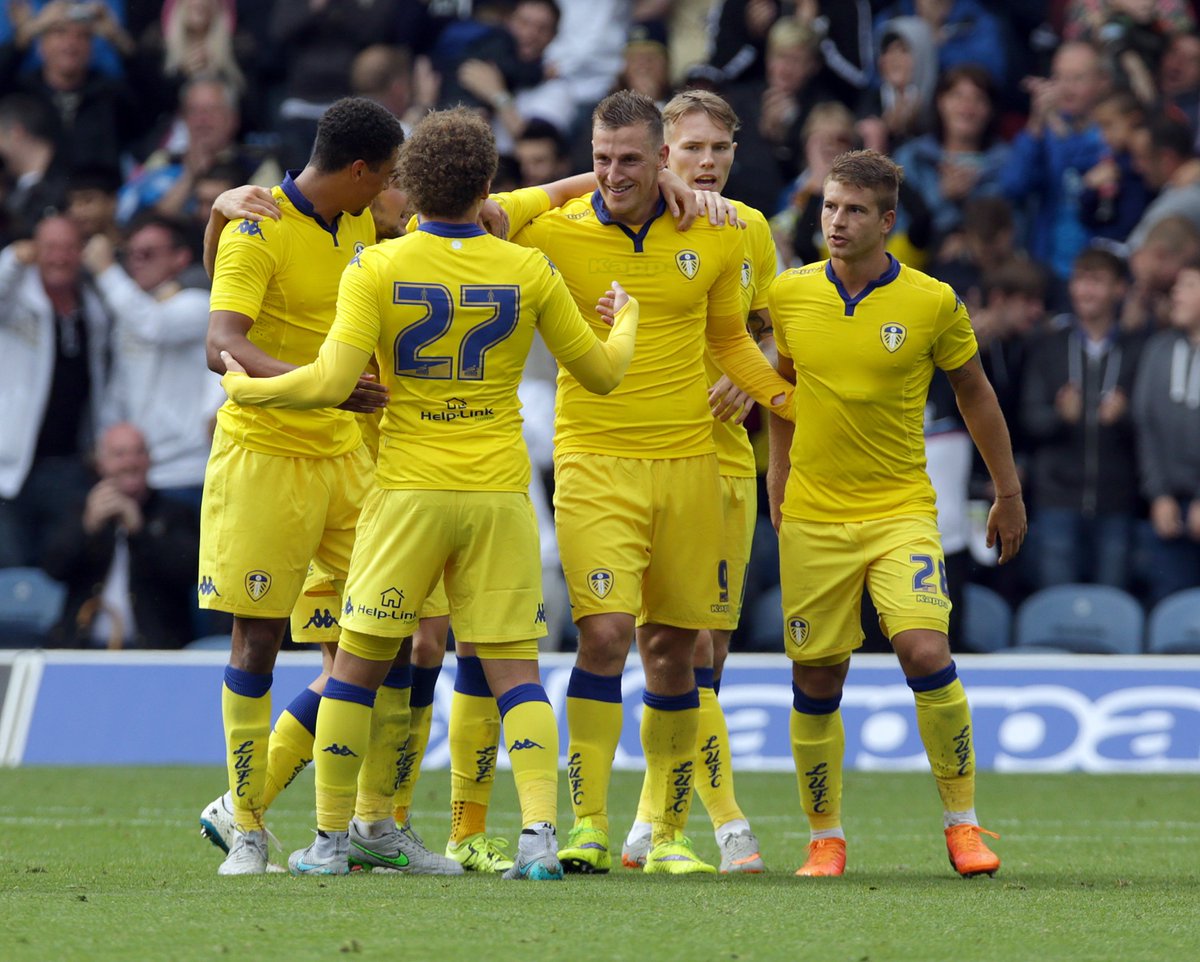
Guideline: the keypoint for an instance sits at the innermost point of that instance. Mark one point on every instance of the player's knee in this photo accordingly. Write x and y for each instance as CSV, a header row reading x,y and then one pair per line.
x,y
820,682
604,643
921,652
255,644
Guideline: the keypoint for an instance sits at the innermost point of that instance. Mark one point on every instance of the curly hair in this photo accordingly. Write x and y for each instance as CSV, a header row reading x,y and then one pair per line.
x,y
625,108
448,162
355,128
871,170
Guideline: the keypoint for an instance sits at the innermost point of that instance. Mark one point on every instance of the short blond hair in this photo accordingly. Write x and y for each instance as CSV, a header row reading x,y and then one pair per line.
x,y
871,170
716,108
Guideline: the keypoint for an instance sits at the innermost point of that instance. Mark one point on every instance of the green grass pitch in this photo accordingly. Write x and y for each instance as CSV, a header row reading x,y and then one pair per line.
x,y
107,864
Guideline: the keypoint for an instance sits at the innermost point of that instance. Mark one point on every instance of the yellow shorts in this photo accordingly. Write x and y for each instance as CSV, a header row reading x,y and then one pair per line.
x,y
642,536
265,517
739,501
824,566
486,543
315,619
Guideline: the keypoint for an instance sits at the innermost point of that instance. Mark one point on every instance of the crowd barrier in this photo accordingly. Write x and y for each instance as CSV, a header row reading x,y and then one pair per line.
x,y
1032,713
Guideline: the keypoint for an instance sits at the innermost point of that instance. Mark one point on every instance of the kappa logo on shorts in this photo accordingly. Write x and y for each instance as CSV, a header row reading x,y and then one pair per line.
x,y
258,583
600,581
207,586
688,263
893,336
798,629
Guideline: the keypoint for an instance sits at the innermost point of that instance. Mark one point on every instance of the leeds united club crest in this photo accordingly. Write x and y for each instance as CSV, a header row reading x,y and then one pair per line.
x,y
600,581
258,583
798,629
893,336
688,263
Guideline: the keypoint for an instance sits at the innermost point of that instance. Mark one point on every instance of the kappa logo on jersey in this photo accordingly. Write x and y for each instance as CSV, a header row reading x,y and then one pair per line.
x,y
958,302
893,336
747,274
206,587
798,629
258,583
348,607
600,581
688,263
392,598
550,264
359,247
250,228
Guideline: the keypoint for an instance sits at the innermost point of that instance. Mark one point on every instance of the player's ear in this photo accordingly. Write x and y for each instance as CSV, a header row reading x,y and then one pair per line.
x,y
888,220
662,156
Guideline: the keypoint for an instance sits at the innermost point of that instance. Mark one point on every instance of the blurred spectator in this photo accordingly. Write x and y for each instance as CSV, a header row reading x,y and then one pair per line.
x,y
161,382
740,38
541,154
792,64
1133,35
23,20
899,106
1058,146
54,349
166,182
962,158
986,240
1179,77
1115,194
98,116
847,43
963,30
37,184
391,77
1154,264
586,53
1163,156
646,66
1166,409
1085,17
193,39
92,201
1075,412
126,554
522,86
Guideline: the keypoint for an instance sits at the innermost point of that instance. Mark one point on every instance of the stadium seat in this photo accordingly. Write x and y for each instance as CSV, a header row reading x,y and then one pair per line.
x,y
31,604
987,619
209,643
1088,619
1174,626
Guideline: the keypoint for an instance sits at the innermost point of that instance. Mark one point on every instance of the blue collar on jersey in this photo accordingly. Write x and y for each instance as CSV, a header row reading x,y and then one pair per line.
x,y
442,229
304,205
606,218
889,275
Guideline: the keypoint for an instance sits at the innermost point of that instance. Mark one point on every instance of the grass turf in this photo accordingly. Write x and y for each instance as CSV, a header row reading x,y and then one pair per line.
x,y
106,863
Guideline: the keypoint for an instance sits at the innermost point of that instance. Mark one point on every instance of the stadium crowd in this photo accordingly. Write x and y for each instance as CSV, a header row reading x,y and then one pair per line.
x,y
1052,177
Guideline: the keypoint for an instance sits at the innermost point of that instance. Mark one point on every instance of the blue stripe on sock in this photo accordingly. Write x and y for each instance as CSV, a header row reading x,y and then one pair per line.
x,y
530,691
470,679
424,681
584,684
716,686
813,706
401,677
343,691
939,679
245,683
304,709
672,702
704,677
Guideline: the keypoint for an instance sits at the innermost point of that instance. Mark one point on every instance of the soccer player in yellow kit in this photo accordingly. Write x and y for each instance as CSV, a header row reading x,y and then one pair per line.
x,y
450,312
637,490
700,128
283,488
862,334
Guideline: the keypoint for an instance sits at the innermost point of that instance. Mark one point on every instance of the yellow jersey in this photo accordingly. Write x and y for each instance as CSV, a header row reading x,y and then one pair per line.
x,y
759,265
686,283
863,367
284,275
450,312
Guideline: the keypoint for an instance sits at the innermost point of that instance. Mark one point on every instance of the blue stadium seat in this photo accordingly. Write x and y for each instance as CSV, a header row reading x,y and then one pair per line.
x,y
31,604
1174,626
1089,619
209,643
987,619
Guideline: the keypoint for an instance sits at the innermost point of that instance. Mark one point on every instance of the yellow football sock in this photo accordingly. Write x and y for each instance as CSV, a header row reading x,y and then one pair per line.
x,y
384,762
645,809
246,713
818,744
944,720
343,734
714,768
474,732
531,737
420,721
594,720
669,724
291,743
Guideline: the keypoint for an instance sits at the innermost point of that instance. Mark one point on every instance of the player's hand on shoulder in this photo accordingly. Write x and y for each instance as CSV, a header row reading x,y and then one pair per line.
x,y
720,210
246,203
729,402
368,396
494,219
611,302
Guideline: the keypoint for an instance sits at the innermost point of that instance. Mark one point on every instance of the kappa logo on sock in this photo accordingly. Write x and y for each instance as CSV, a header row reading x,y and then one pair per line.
x,y
522,743
343,751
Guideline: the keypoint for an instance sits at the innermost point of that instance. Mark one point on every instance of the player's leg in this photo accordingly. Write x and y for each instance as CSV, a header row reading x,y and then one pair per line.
x,y
822,574
474,733
603,512
531,740
429,651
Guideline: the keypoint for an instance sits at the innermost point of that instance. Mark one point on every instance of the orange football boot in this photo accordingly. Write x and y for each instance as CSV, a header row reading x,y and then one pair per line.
x,y
826,857
969,853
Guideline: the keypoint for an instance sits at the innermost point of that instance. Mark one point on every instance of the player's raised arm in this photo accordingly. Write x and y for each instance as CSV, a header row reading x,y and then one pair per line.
x,y
740,358
326,382
599,366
